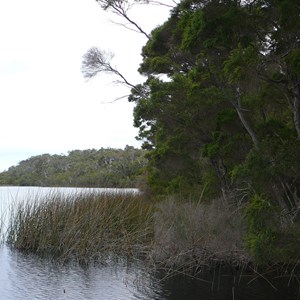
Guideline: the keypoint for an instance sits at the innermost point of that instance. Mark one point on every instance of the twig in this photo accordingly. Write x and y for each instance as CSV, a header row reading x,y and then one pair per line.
x,y
262,276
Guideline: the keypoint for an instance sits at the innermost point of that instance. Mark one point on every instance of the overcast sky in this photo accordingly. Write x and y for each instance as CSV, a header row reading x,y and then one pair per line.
x,y
46,104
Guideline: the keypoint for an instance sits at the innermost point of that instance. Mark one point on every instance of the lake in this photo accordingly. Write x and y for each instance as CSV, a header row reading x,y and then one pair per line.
x,y
28,277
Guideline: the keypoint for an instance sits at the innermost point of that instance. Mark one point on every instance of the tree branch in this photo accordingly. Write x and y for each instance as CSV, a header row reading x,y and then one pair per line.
x,y
98,61
120,7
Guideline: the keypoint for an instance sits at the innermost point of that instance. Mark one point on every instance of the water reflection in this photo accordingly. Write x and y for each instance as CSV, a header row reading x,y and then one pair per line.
x,y
231,284
28,277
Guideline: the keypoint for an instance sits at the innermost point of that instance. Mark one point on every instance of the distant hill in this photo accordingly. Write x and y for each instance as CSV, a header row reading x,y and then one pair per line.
x,y
80,168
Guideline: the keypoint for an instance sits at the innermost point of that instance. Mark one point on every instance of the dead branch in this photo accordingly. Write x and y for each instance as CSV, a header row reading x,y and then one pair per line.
x,y
97,61
121,7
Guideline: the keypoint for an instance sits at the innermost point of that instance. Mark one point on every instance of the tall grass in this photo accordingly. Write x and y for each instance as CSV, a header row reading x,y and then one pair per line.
x,y
99,226
82,227
180,237
1,230
2,224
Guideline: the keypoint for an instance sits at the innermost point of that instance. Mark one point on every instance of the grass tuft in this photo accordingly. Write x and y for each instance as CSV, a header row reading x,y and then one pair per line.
x,y
82,227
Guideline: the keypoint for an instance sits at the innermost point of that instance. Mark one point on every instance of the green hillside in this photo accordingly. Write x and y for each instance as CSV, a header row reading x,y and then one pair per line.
x,y
80,168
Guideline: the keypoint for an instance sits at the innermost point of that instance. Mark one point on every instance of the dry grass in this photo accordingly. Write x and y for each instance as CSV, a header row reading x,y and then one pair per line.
x,y
180,237
81,227
95,227
190,236
1,230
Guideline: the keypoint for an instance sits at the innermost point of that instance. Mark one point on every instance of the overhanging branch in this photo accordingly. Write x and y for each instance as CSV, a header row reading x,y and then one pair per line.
x,y
97,61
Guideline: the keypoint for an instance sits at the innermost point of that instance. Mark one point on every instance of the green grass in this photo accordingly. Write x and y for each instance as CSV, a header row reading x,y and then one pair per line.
x,y
82,227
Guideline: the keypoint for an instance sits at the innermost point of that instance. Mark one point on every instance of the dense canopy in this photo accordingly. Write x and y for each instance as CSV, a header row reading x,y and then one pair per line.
x,y
220,108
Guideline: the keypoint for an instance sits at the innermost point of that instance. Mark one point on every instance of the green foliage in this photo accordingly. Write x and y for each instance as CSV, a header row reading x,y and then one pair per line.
x,y
239,63
293,61
224,120
86,168
272,169
229,72
210,184
193,30
261,234
267,239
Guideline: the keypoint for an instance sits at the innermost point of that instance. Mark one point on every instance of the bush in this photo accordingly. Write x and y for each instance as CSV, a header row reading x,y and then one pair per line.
x,y
262,229
189,235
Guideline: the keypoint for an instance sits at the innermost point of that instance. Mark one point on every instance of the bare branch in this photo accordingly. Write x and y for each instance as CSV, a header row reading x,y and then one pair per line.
x,y
120,7
95,61
119,98
161,3
125,26
98,61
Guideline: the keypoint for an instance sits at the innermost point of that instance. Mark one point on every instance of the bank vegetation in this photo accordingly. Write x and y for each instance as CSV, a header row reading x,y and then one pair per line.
x,y
176,235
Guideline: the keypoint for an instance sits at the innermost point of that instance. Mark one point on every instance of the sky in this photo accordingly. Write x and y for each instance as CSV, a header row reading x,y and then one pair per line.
x,y
46,106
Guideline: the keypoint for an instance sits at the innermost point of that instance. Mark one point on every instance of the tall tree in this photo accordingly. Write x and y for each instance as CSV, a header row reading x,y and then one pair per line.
x,y
221,99
224,52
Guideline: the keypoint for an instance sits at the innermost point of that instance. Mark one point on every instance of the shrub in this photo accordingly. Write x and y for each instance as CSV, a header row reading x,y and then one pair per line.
x,y
262,229
189,235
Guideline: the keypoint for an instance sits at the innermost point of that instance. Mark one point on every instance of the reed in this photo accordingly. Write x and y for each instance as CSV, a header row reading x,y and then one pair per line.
x,y
100,226
178,237
1,230
82,227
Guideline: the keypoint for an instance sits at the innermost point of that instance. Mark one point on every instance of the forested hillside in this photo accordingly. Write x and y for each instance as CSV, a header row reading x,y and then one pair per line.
x,y
80,168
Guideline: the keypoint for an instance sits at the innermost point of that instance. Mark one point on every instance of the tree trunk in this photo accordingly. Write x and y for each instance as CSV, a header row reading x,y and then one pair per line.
x,y
247,126
296,110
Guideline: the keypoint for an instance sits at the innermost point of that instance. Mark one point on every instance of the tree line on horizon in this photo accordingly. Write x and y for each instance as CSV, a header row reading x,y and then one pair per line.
x,y
106,167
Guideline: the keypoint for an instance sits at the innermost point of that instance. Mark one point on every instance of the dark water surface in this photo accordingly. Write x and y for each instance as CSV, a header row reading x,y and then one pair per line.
x,y
228,286
28,277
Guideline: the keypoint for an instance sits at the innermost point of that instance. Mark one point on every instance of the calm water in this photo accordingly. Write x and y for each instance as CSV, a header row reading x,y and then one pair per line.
x,y
27,277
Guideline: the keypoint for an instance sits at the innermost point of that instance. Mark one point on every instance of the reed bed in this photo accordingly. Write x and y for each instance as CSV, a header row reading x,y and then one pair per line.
x,y
100,226
177,237
82,227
